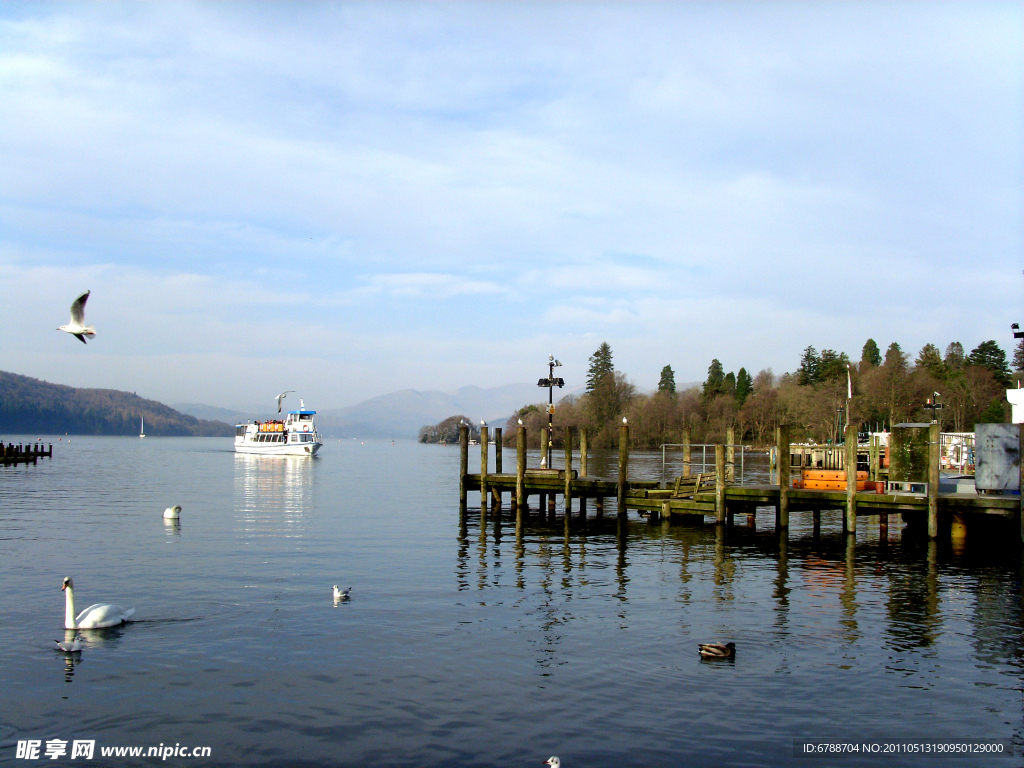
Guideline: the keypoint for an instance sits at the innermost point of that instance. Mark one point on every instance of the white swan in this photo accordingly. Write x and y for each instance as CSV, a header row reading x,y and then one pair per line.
x,y
172,513
96,616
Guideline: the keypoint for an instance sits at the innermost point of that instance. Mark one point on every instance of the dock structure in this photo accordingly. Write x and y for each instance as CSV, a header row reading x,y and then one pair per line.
x,y
713,495
29,453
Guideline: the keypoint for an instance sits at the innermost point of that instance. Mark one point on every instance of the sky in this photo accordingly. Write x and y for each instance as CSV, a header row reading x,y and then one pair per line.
x,y
348,199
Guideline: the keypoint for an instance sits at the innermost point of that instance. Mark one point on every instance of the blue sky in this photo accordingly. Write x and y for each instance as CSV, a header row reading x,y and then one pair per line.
x,y
350,199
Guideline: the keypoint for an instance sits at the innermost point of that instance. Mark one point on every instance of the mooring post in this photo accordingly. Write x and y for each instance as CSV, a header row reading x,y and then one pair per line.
x,y
933,480
520,472
883,527
686,452
782,441
623,467
483,469
495,491
463,465
851,479
567,493
583,468
599,506
1020,461
720,482
730,454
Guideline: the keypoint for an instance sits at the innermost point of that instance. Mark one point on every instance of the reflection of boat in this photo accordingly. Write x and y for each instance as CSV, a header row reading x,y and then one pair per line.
x,y
272,494
295,436
142,427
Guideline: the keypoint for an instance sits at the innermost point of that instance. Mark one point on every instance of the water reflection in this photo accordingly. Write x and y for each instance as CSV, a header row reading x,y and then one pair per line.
x,y
172,527
272,494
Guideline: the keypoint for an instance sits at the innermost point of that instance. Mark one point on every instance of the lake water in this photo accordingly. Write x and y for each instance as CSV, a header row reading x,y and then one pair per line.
x,y
468,647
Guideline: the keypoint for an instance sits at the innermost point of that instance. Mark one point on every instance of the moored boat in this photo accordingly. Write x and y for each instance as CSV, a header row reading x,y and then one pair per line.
x,y
295,436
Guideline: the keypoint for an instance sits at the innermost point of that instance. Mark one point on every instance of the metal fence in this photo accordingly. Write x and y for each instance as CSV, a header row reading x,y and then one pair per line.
x,y
703,464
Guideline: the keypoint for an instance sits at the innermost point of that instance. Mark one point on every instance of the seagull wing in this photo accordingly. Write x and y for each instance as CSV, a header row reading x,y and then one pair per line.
x,y
78,308
80,337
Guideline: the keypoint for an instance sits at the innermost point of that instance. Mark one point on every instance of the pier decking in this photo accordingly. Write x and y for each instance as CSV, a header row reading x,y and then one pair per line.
x,y
724,499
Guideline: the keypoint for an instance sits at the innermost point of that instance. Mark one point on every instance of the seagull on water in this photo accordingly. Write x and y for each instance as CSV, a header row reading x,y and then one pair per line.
x,y
77,326
553,761
342,594
281,397
71,646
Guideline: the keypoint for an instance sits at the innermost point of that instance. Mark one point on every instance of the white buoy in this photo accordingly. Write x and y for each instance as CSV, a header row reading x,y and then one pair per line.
x,y
172,513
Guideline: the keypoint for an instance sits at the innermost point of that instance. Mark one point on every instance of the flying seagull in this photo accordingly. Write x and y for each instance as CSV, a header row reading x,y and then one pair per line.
x,y
281,397
77,325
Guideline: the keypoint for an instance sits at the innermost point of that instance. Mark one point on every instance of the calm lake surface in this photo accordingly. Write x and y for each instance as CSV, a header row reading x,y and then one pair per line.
x,y
468,647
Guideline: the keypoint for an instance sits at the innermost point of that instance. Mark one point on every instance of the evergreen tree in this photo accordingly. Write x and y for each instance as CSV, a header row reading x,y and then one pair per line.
x,y
954,359
894,356
989,355
930,360
744,386
600,366
729,384
1018,357
809,364
668,380
870,353
715,380
832,365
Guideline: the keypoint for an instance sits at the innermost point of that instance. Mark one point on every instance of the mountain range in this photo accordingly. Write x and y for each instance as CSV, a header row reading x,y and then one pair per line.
x,y
401,414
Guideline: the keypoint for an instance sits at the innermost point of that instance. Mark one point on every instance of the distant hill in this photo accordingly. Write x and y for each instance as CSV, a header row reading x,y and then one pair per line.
x,y
401,414
31,406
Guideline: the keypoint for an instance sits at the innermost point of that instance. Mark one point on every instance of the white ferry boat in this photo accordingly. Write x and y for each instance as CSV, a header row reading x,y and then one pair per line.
x,y
295,436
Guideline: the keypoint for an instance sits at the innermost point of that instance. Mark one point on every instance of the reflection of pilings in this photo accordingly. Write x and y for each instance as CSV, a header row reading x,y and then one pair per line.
x,y
883,529
462,559
520,555
931,603
816,523
848,597
482,555
782,588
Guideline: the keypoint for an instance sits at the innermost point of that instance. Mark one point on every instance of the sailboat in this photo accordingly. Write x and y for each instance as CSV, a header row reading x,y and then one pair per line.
x,y
142,427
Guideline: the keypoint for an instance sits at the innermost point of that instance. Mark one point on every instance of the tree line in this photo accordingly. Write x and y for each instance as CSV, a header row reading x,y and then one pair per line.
x,y
886,389
32,407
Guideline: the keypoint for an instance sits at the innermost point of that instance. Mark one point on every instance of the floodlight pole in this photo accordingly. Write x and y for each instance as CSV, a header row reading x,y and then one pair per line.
x,y
550,382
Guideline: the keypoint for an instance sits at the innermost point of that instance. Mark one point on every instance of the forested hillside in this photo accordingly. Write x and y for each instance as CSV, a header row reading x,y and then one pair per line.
x,y
34,407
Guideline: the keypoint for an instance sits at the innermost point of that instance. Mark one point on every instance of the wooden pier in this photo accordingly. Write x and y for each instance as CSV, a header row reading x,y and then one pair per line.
x,y
28,453
714,496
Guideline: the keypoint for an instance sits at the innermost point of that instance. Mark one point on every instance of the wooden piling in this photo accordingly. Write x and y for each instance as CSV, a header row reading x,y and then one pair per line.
x,y
883,527
584,447
599,506
720,483
933,480
567,493
850,439
521,506
782,441
1020,460
495,492
730,454
483,470
463,465
623,468
686,452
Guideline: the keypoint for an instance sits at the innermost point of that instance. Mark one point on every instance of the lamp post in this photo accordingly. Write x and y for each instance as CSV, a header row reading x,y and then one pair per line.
x,y
550,382
933,405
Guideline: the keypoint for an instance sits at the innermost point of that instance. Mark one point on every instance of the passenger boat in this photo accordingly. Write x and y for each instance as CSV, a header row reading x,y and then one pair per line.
x,y
295,436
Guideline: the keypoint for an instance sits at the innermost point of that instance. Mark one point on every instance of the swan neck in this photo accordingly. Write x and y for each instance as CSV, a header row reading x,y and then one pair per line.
x,y
69,609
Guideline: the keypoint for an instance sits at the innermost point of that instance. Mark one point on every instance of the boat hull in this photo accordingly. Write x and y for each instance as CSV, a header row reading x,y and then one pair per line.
x,y
288,449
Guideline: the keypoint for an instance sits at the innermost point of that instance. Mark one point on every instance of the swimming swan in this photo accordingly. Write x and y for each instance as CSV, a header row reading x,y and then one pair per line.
x,y
96,616
172,513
